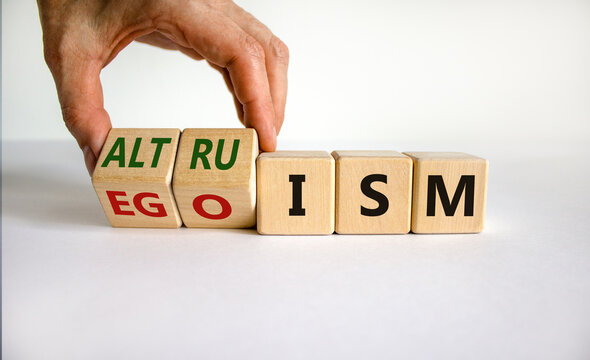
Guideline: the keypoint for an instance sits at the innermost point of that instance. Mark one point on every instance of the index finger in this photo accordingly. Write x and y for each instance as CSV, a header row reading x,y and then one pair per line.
x,y
224,43
277,58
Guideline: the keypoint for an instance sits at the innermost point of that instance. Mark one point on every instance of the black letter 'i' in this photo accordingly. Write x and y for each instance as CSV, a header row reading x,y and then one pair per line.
x,y
297,209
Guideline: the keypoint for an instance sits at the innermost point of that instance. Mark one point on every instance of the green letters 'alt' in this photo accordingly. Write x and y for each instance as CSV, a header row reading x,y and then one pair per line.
x,y
117,152
120,146
198,154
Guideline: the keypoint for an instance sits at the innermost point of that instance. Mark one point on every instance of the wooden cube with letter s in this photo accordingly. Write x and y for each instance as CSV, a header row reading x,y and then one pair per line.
x,y
373,192
215,178
133,178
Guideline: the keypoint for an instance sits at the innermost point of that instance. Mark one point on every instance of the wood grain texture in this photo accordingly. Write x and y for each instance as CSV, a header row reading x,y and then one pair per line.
x,y
389,215
228,172
133,178
462,175
275,193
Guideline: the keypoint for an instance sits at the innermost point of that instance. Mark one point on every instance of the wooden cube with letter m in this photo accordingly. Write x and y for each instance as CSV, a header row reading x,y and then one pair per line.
x,y
215,178
133,178
449,193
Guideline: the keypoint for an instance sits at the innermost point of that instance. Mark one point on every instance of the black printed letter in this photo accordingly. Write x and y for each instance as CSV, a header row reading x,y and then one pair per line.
x,y
435,182
375,195
297,209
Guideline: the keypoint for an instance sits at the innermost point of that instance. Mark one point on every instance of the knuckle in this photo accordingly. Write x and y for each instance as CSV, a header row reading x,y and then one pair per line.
x,y
51,52
253,48
81,121
51,57
278,48
219,4
72,116
59,51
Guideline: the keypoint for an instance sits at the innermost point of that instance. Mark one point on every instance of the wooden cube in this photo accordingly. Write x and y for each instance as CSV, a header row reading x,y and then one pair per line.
x,y
373,192
215,178
133,178
449,192
296,193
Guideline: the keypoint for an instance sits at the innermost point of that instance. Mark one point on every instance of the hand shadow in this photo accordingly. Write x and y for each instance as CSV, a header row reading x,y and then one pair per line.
x,y
50,198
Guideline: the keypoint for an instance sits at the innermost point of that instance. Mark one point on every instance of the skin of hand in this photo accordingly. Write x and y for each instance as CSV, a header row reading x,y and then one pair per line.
x,y
81,37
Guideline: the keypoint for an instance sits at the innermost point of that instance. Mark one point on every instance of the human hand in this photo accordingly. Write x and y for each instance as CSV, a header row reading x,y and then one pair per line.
x,y
81,37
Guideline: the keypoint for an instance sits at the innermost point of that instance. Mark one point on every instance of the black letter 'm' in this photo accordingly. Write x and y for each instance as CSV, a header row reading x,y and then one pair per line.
x,y
375,195
297,209
435,182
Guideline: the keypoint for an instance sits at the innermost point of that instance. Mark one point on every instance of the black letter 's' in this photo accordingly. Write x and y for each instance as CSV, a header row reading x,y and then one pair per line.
x,y
375,195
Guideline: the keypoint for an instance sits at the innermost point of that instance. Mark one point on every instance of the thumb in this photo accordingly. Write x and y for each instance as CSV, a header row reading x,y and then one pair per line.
x,y
82,104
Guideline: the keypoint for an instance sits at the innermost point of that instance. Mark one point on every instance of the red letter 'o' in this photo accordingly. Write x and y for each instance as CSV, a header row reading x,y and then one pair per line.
x,y
225,207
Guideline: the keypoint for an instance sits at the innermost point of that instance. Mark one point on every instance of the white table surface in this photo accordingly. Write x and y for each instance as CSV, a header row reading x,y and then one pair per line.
x,y
75,288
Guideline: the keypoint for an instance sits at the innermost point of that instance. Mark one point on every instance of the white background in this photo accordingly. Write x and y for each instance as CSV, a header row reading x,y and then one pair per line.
x,y
395,73
506,80
75,288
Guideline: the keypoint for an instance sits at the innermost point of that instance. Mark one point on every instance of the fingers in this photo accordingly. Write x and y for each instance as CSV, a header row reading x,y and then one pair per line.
x,y
230,87
225,44
277,58
80,95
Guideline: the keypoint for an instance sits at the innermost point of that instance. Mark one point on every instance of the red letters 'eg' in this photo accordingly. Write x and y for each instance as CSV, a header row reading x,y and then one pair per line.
x,y
160,211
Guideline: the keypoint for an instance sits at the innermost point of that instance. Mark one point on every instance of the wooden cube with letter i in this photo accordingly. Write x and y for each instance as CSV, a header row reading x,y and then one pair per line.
x,y
295,193
450,192
133,178
215,178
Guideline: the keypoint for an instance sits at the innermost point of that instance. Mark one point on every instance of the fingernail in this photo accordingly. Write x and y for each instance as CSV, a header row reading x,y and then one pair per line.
x,y
89,159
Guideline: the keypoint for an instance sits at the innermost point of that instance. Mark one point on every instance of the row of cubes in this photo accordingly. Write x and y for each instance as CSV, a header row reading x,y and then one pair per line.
x,y
216,178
